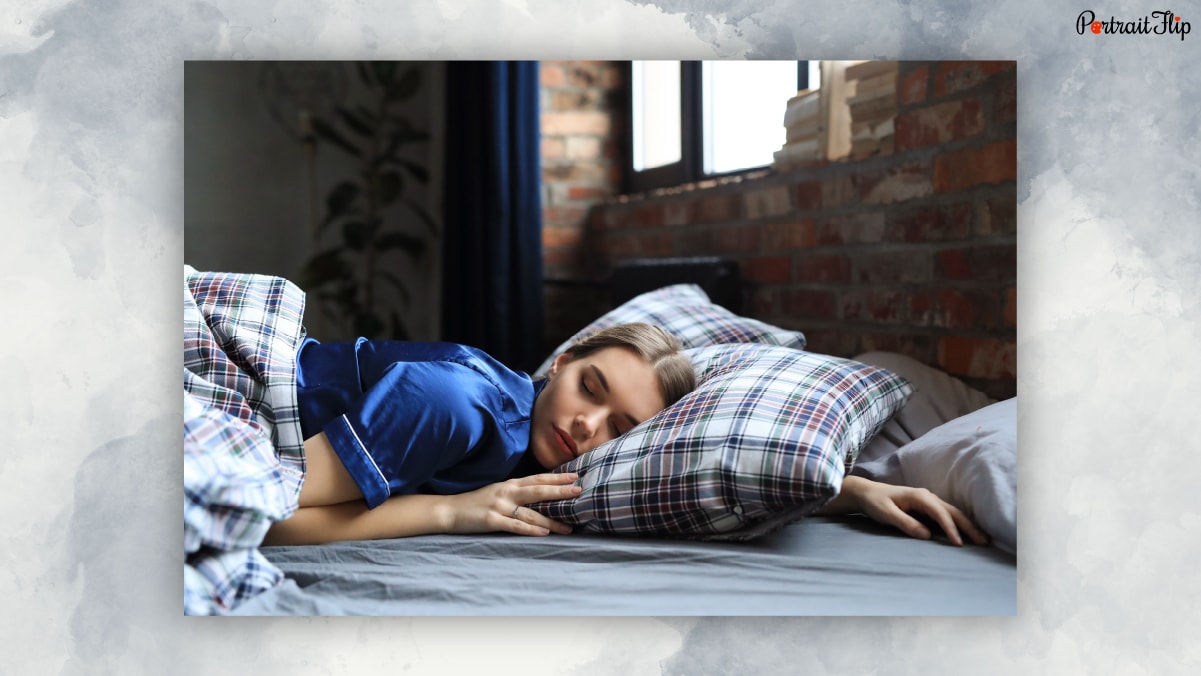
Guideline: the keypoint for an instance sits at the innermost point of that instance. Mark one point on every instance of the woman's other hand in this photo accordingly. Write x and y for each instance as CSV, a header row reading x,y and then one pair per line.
x,y
896,505
502,506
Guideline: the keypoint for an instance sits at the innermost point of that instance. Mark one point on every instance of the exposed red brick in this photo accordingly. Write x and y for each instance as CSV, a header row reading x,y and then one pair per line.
x,y
579,99
872,305
741,237
588,192
1011,307
576,122
559,236
809,195
930,223
768,269
762,301
560,262
839,191
584,73
784,236
550,74
574,173
823,268
553,148
913,345
839,342
905,266
1005,105
679,212
809,304
993,163
773,201
914,85
937,124
637,216
981,263
583,148
955,309
852,229
978,357
718,208
695,241
563,215
896,184
958,76
997,216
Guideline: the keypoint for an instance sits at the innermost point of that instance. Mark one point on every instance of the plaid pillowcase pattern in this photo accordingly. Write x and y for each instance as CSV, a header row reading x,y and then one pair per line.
x,y
765,439
685,311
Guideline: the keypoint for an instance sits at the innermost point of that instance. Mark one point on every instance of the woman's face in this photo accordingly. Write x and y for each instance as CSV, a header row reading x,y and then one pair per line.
x,y
590,400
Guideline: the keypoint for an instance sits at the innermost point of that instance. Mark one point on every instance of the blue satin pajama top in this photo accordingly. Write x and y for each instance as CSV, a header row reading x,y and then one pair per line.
x,y
409,417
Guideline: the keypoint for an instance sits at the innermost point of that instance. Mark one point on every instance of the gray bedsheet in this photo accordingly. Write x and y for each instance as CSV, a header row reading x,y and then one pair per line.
x,y
818,566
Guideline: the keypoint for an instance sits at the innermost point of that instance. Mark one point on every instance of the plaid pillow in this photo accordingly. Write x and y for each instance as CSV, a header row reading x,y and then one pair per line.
x,y
685,311
764,440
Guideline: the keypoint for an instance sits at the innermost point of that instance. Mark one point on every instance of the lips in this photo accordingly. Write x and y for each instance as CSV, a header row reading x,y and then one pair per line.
x,y
565,443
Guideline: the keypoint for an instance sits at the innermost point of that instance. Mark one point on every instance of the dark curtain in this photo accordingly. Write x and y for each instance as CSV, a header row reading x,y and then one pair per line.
x,y
492,252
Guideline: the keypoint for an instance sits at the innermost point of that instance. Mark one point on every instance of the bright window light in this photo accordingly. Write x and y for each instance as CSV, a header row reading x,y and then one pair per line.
x,y
743,111
656,108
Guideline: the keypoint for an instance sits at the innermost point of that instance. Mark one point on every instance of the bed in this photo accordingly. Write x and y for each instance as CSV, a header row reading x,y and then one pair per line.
x,y
741,540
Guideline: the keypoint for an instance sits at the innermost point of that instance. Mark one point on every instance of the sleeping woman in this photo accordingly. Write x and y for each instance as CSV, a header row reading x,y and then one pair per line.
x,y
406,438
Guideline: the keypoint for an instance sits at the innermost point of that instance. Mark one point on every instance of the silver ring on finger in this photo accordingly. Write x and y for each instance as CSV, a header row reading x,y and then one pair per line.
x,y
515,510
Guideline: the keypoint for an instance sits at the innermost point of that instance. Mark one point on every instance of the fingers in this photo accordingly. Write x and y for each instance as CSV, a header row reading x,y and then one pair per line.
x,y
950,519
531,522
546,479
966,525
540,488
906,523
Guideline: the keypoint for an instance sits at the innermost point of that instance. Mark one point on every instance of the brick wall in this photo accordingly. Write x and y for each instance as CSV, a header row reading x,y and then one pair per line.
x,y
912,252
582,119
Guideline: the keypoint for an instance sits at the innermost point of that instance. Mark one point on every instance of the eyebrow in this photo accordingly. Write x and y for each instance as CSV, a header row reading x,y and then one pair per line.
x,y
600,376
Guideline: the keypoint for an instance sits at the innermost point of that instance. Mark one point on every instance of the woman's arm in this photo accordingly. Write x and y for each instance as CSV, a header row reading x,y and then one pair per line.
x,y
893,505
490,508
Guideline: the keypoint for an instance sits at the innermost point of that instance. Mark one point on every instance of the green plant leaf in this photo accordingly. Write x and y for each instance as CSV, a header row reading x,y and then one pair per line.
x,y
401,137
325,131
411,245
415,170
356,235
421,214
364,70
356,123
366,324
400,287
384,71
339,201
405,87
327,266
389,187
366,115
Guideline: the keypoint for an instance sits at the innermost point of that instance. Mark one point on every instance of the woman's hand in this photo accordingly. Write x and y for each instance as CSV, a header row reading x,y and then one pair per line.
x,y
894,505
501,506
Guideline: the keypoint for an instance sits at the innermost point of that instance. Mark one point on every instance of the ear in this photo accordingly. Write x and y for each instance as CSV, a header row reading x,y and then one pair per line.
x,y
559,362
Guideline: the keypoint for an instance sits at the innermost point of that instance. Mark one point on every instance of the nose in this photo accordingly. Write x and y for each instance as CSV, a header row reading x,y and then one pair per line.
x,y
588,423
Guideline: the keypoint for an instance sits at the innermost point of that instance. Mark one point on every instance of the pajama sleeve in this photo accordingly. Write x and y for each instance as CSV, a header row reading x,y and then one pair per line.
x,y
437,426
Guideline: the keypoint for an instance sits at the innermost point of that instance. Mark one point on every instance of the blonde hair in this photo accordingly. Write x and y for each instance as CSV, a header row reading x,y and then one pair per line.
x,y
660,349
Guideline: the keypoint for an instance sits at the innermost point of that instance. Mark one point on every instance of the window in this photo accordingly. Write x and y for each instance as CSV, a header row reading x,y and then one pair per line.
x,y
691,120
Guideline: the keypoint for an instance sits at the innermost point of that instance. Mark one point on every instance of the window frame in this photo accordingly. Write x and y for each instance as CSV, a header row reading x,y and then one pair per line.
x,y
690,167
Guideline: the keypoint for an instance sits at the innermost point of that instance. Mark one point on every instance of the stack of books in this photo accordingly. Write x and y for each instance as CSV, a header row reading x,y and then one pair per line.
x,y
804,133
872,90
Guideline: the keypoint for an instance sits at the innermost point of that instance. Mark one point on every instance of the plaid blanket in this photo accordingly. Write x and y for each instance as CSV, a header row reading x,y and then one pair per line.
x,y
243,449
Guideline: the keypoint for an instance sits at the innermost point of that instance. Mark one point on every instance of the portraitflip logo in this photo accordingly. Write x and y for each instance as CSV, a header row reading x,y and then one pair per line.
x,y
1157,23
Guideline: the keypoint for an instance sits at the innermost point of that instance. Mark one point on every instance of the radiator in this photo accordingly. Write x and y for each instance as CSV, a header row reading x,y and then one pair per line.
x,y
717,276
